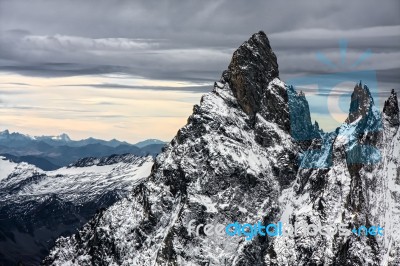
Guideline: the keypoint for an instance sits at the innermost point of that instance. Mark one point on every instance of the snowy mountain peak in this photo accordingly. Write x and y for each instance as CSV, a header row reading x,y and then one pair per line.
x,y
236,160
4,133
19,136
63,137
147,142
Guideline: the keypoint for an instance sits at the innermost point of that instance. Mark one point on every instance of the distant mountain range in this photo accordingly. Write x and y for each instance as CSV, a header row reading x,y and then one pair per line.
x,y
53,152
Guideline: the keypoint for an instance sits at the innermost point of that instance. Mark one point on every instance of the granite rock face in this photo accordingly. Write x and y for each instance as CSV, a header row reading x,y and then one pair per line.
x,y
253,67
391,110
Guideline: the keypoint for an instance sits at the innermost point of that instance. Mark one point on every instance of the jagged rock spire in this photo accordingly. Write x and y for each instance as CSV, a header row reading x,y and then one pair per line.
x,y
361,101
250,72
252,67
391,109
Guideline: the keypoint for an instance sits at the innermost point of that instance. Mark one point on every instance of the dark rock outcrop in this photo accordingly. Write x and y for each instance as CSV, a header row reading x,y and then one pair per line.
x,y
253,67
391,110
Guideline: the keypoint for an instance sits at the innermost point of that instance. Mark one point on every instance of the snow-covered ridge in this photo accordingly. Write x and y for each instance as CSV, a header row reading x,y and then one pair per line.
x,y
37,206
62,137
72,183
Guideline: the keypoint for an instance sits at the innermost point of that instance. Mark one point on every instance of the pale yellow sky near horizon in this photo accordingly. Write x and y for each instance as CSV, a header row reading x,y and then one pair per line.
x,y
51,106
73,105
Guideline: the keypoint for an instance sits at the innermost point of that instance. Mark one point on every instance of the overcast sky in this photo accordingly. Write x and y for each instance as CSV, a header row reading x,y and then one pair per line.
x,y
133,69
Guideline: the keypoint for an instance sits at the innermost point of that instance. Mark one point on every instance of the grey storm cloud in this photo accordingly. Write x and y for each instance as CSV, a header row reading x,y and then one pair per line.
x,y
192,40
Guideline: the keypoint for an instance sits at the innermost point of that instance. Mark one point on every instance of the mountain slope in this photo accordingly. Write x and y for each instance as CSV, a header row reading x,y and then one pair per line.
x,y
37,206
237,160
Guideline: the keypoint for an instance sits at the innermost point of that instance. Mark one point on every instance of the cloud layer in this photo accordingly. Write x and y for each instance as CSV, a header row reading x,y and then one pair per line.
x,y
191,40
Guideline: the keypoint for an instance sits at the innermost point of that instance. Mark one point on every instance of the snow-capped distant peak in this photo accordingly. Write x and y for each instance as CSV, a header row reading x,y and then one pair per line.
x,y
146,142
5,132
62,137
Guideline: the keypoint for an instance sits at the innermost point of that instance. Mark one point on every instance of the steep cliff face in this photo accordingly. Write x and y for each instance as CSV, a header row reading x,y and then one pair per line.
x,y
391,110
253,67
236,160
301,128
359,188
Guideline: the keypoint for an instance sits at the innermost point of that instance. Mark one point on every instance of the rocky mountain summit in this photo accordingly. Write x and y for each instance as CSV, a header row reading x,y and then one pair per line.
x,y
241,158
